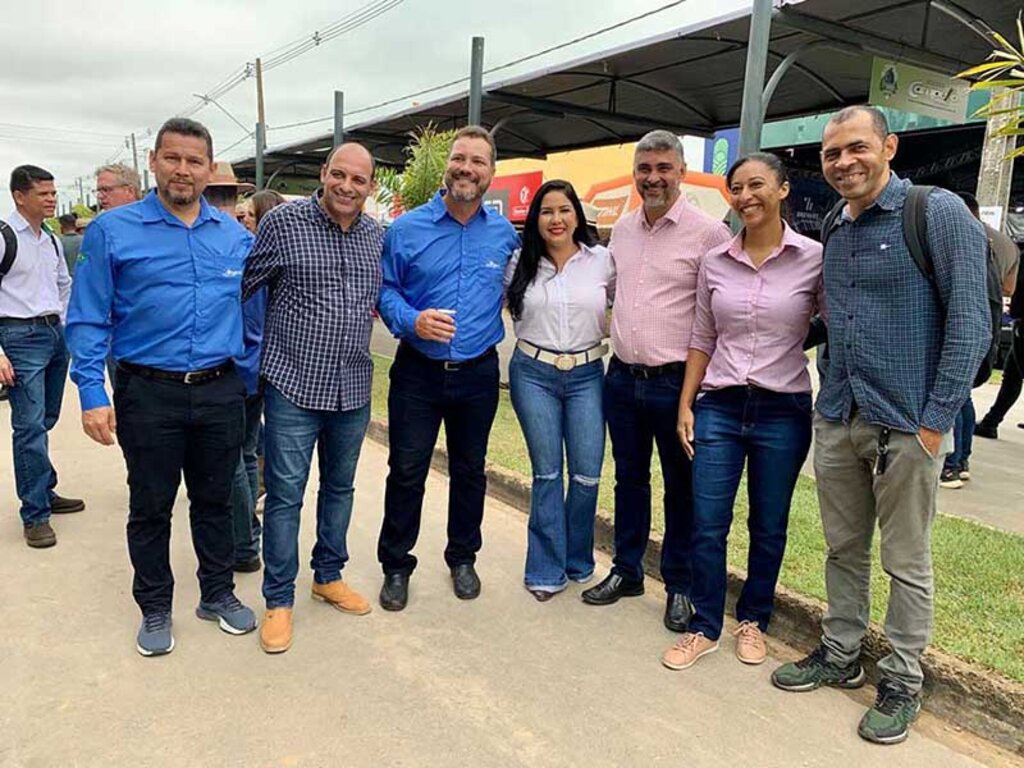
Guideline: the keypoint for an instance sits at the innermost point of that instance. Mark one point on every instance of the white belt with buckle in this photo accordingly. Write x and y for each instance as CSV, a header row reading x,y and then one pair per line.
x,y
563,362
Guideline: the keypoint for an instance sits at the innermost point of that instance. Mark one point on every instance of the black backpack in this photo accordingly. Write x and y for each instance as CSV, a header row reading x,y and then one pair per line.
x,y
915,234
10,240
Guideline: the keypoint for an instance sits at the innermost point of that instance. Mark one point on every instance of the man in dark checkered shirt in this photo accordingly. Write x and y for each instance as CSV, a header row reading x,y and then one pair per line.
x,y
320,260
904,350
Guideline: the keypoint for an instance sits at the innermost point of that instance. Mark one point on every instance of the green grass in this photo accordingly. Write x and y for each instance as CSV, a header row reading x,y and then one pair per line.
x,y
979,572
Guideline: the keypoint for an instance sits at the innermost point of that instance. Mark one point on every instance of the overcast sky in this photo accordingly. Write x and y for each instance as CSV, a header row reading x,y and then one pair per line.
x,y
79,77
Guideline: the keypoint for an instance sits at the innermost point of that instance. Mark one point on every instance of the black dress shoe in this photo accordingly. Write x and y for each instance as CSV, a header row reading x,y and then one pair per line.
x,y
986,430
541,595
61,506
248,566
394,593
465,582
678,612
611,589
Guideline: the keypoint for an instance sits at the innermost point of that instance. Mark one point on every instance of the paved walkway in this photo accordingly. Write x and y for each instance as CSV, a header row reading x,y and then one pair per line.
x,y
500,681
995,495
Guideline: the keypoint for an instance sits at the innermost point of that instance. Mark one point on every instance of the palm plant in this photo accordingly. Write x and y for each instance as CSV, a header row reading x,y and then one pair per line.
x,y
1003,74
424,169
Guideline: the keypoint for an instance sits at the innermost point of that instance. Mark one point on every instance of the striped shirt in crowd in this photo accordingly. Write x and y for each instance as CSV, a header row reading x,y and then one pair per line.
x,y
656,281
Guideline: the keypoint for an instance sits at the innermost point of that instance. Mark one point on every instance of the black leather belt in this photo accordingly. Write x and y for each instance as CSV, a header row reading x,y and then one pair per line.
x,y
41,320
649,371
447,365
182,377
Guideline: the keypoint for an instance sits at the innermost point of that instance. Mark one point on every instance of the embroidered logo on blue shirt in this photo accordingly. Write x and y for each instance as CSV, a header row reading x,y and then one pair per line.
x,y
491,264
232,273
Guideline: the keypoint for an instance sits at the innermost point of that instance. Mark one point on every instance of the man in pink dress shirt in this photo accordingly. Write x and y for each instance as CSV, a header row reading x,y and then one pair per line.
x,y
657,250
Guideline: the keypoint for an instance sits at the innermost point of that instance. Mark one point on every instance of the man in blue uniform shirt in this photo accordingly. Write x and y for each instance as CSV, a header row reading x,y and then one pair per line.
x,y
159,283
443,265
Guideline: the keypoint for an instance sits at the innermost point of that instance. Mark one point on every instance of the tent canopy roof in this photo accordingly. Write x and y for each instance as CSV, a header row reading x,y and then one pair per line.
x,y
690,80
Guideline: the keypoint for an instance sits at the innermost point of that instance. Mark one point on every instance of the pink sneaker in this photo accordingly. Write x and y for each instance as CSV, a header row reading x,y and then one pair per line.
x,y
687,650
750,643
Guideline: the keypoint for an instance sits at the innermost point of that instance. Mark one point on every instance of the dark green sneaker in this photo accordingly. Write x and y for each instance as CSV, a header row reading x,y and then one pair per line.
x,y
815,671
888,722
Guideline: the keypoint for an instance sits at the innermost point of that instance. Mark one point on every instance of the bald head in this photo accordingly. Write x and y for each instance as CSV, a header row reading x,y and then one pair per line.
x,y
353,150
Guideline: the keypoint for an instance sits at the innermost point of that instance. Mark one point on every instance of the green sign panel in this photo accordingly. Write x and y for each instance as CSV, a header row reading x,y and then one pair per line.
x,y
901,86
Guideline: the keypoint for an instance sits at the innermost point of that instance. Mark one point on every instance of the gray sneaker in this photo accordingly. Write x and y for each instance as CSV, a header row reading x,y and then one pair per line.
x,y
155,638
233,617
40,535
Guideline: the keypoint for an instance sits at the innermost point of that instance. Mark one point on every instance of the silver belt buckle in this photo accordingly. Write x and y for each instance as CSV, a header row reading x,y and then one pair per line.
x,y
565,362
188,377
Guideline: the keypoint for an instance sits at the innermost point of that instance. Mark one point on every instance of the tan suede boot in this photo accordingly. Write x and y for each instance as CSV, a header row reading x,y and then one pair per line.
x,y
341,596
276,630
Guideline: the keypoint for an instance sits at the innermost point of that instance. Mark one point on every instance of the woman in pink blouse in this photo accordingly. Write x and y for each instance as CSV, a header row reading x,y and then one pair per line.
x,y
755,298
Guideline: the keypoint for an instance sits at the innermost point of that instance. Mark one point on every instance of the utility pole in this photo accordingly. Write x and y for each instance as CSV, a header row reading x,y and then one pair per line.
x,y
261,125
996,171
260,114
81,192
135,157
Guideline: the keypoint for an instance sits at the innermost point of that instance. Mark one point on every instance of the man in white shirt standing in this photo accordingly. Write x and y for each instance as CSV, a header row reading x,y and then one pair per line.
x,y
34,290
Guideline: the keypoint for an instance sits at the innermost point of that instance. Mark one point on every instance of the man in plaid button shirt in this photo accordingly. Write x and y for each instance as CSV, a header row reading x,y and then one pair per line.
x,y
320,260
904,350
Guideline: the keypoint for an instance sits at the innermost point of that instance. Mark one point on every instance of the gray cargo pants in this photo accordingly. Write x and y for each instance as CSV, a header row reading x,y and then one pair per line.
x,y
902,500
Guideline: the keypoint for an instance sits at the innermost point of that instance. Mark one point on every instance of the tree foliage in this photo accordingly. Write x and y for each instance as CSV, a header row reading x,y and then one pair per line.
x,y
1002,74
424,169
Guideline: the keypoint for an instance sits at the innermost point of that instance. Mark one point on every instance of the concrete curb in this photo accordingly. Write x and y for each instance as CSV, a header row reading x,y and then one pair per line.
x,y
977,699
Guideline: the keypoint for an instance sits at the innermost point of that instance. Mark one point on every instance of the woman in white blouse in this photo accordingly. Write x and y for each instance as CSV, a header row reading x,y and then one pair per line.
x,y
559,288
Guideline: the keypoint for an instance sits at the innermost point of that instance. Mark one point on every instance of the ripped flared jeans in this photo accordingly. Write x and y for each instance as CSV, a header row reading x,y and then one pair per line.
x,y
562,418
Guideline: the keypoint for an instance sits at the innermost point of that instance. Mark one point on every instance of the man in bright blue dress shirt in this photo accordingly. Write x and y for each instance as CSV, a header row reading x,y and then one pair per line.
x,y
159,283
442,293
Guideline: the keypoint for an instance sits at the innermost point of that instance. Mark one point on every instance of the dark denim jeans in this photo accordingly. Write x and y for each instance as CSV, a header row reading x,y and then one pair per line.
x,y
771,433
291,432
245,486
422,395
555,409
40,361
963,436
168,429
642,413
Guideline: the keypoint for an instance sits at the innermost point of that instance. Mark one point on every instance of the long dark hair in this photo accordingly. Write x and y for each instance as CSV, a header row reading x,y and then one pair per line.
x,y
775,165
534,248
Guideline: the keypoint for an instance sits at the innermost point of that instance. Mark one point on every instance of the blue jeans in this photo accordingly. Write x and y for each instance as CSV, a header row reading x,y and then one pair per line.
x,y
963,436
642,412
557,408
291,432
771,432
40,361
245,486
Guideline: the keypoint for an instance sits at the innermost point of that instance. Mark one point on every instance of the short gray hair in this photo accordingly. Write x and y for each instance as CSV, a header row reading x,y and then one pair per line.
x,y
124,175
660,141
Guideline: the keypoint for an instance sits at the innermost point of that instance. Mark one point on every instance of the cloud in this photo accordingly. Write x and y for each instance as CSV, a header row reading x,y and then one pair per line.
x,y
112,68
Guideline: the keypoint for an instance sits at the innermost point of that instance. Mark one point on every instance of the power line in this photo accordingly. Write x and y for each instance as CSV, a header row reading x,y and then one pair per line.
x,y
45,140
51,129
506,65
291,51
